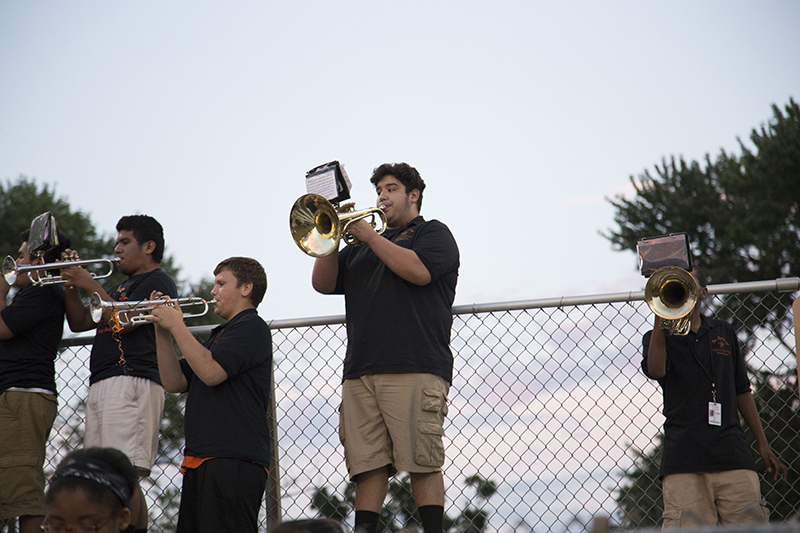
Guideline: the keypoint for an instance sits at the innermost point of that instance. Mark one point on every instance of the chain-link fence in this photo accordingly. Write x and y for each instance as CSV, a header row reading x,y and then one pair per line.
x,y
551,420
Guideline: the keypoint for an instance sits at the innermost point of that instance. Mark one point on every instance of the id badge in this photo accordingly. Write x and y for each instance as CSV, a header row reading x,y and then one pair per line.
x,y
714,414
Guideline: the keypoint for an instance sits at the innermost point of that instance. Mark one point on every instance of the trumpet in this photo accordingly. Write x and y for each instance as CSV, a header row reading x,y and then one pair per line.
x,y
97,305
671,293
11,270
317,227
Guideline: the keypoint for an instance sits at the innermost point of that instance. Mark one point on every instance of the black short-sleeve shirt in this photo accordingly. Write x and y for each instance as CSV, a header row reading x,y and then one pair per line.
x,y
230,419
394,326
694,361
36,318
134,353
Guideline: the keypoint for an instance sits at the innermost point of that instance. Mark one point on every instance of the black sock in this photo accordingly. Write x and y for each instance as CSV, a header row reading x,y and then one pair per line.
x,y
366,521
432,518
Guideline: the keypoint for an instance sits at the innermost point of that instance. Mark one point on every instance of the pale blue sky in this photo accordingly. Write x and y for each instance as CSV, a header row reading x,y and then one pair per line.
x,y
521,117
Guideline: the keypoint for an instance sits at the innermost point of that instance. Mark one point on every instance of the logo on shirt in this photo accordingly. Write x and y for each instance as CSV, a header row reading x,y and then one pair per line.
x,y
407,235
720,346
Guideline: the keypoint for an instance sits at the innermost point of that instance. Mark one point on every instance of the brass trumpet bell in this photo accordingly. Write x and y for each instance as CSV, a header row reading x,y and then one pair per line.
x,y
317,228
671,293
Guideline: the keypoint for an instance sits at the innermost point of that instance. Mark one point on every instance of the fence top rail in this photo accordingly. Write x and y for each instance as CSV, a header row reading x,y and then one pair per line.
x,y
778,285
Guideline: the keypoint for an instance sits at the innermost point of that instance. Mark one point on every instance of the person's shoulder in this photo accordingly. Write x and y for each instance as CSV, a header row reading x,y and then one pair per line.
x,y
159,278
434,226
250,318
161,273
716,323
41,291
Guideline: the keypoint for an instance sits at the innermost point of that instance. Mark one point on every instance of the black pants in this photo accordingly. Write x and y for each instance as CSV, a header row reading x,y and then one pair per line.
x,y
222,495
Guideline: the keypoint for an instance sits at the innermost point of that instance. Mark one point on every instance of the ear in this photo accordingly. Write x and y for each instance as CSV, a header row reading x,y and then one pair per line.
x,y
246,288
414,196
149,247
124,519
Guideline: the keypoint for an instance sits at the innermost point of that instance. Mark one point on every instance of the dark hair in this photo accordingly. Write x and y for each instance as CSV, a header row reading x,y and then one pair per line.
x,y
106,474
700,276
405,173
50,256
246,270
145,228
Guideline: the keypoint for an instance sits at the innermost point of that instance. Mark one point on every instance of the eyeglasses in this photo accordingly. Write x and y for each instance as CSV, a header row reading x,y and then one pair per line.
x,y
51,528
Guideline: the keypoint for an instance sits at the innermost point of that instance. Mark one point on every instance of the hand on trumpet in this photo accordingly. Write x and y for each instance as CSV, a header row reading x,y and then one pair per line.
x,y
69,255
76,276
360,229
165,314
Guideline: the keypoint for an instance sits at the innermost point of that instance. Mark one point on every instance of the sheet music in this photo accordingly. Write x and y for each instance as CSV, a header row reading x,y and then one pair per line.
x,y
323,184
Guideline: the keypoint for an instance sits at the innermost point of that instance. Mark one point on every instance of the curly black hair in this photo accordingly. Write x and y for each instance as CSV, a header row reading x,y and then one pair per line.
x,y
405,173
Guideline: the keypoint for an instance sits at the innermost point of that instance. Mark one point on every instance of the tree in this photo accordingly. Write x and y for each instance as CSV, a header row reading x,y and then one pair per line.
x,y
742,214
400,511
474,519
23,200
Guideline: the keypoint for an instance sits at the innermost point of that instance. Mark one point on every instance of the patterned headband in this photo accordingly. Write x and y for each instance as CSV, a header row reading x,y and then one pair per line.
x,y
89,468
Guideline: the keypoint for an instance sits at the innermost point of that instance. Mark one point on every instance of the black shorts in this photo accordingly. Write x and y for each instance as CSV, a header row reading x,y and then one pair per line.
x,y
222,495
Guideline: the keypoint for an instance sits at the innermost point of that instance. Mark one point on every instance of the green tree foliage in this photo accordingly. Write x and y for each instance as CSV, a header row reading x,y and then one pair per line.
x,y
23,200
400,511
742,214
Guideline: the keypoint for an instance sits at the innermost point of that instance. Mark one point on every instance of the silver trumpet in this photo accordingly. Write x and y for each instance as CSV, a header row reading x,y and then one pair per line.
x,y
97,305
11,270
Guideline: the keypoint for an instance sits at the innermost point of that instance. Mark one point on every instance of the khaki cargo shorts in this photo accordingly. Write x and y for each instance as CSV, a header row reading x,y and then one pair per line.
x,y
26,419
395,420
697,500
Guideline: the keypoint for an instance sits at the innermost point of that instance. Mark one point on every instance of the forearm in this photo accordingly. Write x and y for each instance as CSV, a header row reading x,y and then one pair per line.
x,y
199,357
169,369
657,351
402,261
326,270
747,407
78,316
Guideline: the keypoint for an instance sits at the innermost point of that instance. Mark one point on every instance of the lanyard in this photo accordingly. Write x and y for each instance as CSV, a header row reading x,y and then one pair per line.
x,y
710,363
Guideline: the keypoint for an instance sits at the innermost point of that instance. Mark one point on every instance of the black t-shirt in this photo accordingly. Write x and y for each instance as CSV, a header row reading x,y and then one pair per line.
x,y
230,419
394,326
691,444
36,318
132,354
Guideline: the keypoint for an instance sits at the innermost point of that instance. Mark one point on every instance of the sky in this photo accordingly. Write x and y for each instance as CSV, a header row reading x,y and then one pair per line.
x,y
522,117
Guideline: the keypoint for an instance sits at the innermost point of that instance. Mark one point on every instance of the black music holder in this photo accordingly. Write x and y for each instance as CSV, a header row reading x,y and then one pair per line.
x,y
330,181
43,235
664,250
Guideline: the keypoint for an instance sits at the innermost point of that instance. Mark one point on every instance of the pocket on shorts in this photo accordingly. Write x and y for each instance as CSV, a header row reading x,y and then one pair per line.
x,y
433,401
764,509
341,424
671,518
429,448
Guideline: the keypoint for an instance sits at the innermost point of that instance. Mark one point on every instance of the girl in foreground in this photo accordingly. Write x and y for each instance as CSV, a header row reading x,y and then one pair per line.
x,y
90,492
